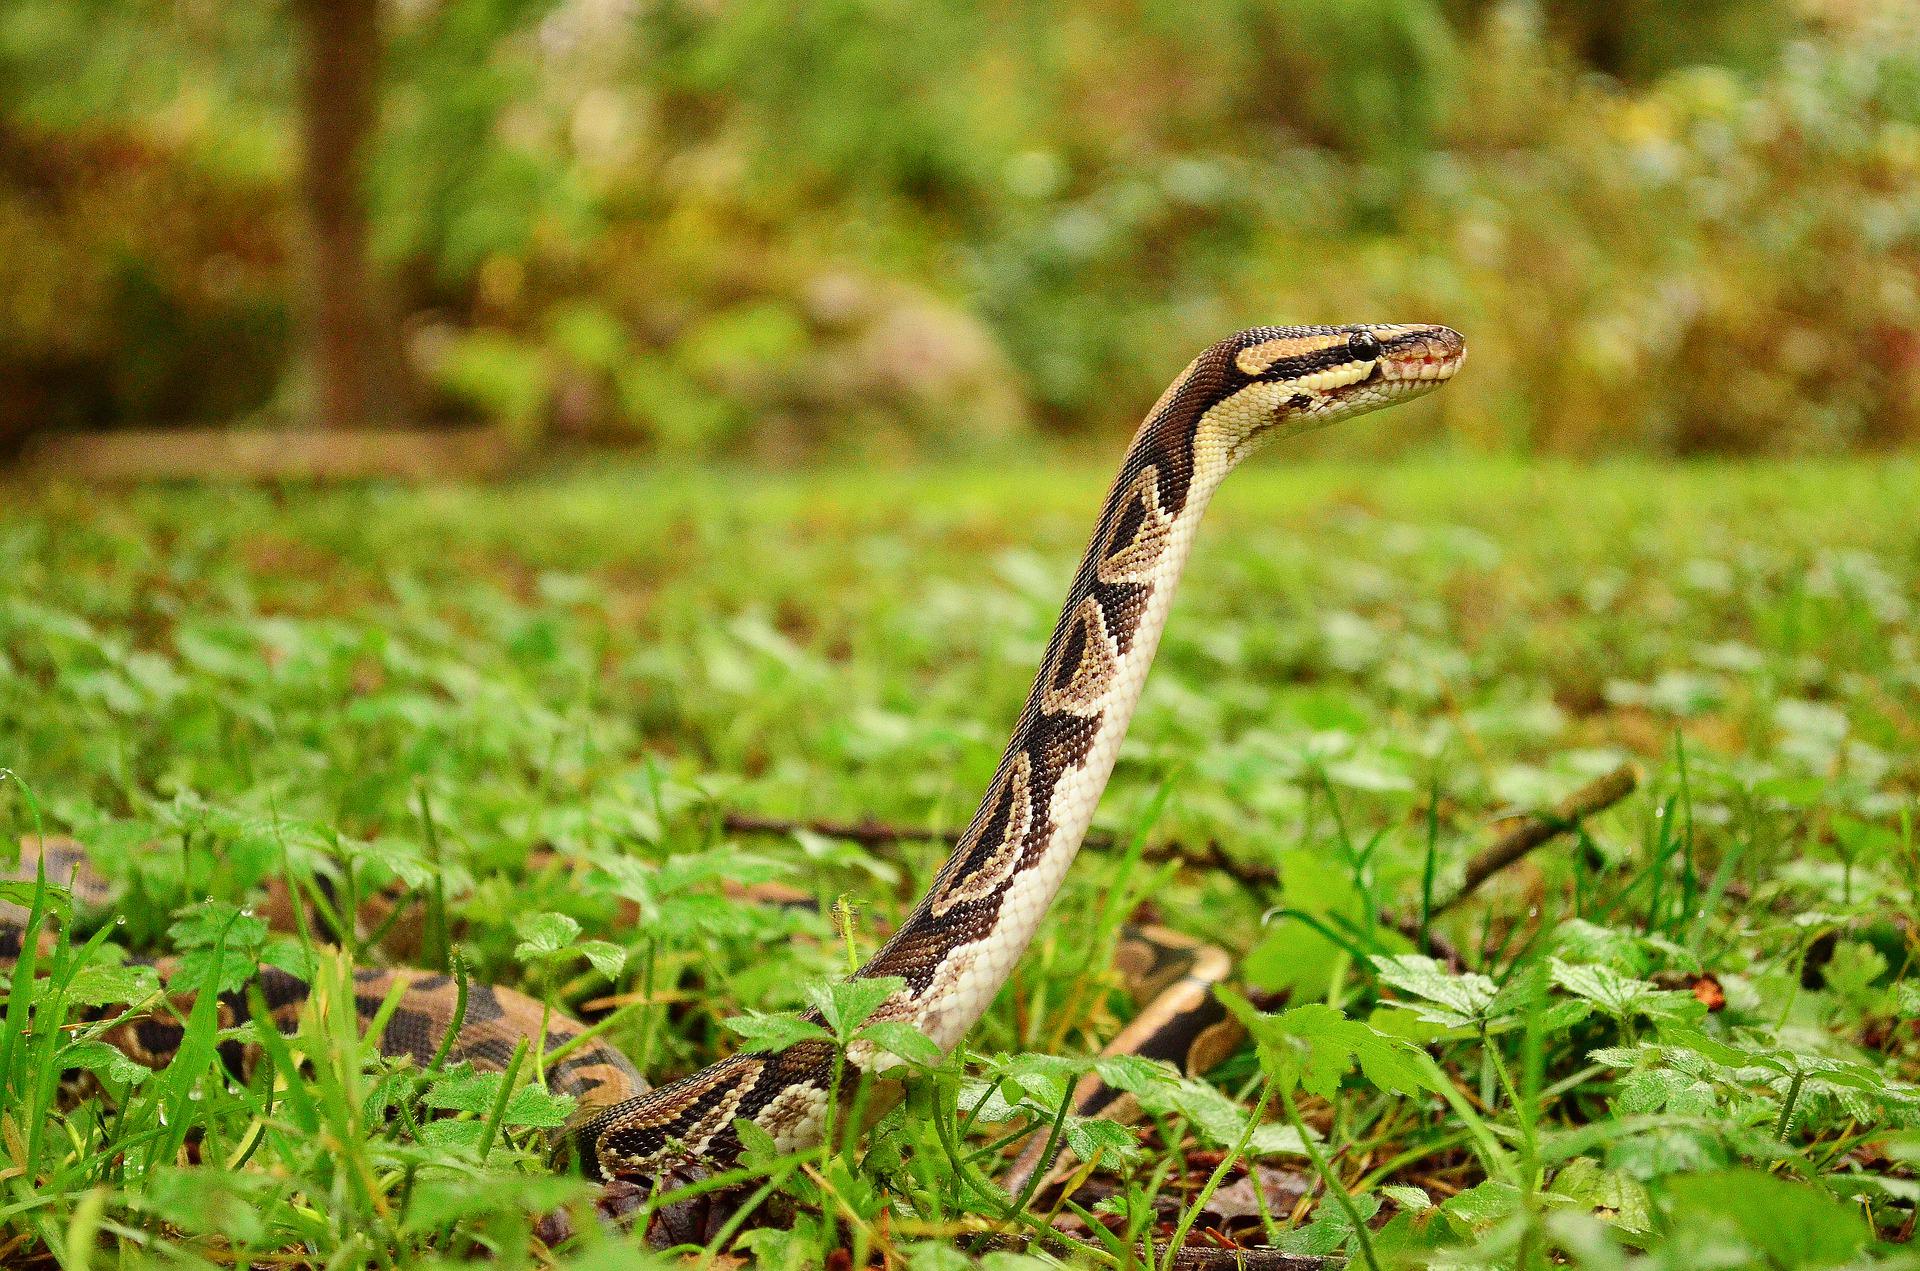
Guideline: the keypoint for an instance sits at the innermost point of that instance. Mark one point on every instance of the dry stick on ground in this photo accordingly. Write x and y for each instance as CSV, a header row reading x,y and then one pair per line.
x,y
880,833
1536,828
1520,837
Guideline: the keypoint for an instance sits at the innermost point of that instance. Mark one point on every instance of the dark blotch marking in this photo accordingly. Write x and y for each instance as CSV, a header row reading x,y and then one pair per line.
x,y
410,1032
1121,598
281,989
483,1004
996,827
1172,1044
1076,648
565,1075
233,1057
1127,528
497,1051
158,1037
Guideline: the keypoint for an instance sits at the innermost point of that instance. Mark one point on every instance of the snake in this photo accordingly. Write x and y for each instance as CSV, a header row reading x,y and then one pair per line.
x,y
958,946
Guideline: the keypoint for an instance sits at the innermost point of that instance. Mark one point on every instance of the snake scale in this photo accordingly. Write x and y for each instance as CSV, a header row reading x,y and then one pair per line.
x,y
960,943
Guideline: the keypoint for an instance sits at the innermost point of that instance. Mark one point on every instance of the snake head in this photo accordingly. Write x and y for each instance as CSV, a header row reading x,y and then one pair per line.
x,y
1271,382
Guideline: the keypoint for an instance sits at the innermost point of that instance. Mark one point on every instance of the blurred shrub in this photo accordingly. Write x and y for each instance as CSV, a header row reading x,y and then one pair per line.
x,y
750,228
842,363
1714,264
136,287
1639,40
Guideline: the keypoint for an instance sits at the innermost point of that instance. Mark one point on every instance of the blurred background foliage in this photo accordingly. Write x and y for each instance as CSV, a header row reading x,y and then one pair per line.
x,y
879,227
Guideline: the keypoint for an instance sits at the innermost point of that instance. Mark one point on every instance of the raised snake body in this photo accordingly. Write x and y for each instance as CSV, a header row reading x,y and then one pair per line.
x,y
961,942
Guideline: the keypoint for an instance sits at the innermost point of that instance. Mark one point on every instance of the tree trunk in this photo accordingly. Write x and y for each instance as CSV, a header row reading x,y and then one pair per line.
x,y
354,343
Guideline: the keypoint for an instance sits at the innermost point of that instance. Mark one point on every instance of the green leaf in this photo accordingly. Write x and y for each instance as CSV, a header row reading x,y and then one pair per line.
x,y
898,1037
107,1061
1792,1224
1275,1139
1622,997
289,955
1134,1073
101,984
1615,1194
1006,1260
207,1200
846,1004
1480,1207
543,934
766,1033
1411,1199
1452,1001
1711,1048
477,1092
1854,967
1089,1137
933,1255
1649,1090
757,1146
778,1249
1905,999
199,934
604,956
1312,1047
1042,1080
204,925
1329,1232
1213,1116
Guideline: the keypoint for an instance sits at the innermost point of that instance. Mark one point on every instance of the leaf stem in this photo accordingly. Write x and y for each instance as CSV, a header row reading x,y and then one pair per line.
x,y
1234,1153
1786,1109
1335,1188
1047,1153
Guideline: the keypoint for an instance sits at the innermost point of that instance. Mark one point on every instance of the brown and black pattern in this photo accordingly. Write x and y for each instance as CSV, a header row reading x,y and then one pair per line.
x,y
1140,533
1103,609
679,1120
1102,615
986,858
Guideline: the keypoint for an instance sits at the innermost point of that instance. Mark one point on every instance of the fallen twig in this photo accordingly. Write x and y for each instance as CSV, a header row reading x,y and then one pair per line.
x,y
867,833
871,833
1521,836
1536,828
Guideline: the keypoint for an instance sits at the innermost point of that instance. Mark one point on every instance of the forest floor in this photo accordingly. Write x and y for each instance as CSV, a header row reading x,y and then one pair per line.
x,y
1683,1036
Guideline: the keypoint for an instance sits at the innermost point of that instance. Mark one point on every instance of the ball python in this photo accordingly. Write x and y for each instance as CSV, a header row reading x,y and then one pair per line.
x,y
959,944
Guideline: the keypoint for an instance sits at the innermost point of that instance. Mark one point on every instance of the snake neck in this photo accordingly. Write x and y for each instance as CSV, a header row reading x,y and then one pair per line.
x,y
961,942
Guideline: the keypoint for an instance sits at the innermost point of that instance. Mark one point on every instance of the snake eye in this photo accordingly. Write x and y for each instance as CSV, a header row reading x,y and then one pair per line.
x,y
1363,346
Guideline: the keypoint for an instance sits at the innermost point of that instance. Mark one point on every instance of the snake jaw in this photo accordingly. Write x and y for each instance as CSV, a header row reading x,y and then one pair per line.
x,y
1425,355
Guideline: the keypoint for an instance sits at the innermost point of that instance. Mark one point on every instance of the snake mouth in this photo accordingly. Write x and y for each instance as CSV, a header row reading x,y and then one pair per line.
x,y
1424,356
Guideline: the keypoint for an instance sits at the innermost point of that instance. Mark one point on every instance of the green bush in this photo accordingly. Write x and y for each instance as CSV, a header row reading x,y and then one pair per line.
x,y
889,227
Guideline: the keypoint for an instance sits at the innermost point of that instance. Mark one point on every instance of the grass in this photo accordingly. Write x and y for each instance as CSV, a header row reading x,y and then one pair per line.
x,y
212,687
